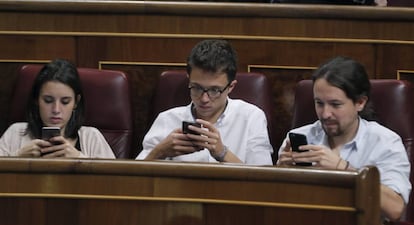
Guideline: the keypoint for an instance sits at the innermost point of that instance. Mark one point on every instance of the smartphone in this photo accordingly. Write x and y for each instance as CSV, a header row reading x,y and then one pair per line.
x,y
49,132
188,131
297,140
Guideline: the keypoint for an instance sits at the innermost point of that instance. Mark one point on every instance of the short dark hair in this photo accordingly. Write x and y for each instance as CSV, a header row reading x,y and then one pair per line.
x,y
214,56
349,76
64,72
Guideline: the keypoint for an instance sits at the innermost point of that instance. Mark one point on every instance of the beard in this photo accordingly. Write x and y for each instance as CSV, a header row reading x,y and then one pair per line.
x,y
331,128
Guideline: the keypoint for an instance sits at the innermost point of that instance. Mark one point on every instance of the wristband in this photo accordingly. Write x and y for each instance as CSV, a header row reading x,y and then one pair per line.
x,y
347,165
340,159
221,156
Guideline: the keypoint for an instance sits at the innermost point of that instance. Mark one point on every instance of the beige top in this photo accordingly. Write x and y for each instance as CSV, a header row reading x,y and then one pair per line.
x,y
92,142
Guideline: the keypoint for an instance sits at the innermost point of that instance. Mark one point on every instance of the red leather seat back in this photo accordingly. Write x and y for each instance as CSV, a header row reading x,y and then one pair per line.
x,y
172,91
107,104
392,101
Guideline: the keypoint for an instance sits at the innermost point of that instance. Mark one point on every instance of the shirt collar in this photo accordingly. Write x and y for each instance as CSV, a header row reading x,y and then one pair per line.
x,y
353,144
359,137
224,113
220,118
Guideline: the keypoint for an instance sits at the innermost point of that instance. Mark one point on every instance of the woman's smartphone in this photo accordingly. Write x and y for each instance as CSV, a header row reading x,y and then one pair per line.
x,y
188,131
49,132
297,140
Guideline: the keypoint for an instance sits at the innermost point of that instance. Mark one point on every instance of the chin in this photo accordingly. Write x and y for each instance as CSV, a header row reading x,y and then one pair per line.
x,y
331,132
334,133
54,125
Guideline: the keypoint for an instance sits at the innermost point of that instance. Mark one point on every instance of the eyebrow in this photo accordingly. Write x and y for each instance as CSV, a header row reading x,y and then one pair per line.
x,y
50,96
215,86
334,101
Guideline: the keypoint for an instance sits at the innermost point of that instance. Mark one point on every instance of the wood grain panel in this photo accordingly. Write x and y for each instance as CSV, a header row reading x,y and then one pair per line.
x,y
392,58
85,212
30,48
77,191
195,18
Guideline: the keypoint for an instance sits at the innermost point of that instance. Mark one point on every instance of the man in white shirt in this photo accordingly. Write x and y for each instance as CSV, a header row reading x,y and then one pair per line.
x,y
231,130
344,139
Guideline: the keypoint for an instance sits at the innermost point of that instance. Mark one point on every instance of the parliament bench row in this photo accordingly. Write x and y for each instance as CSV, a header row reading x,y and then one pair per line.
x,y
108,104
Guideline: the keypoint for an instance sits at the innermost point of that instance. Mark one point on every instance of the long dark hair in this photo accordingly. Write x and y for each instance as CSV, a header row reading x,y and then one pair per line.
x,y
349,76
66,73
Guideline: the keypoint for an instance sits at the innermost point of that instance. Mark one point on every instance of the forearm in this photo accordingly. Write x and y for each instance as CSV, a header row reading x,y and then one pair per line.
x,y
392,204
156,153
231,157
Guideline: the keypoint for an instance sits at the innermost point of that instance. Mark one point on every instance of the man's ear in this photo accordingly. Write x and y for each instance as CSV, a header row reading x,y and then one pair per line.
x,y
361,102
232,85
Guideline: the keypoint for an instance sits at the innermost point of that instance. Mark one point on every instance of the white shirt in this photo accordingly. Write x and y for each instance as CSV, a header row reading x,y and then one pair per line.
x,y
242,127
92,142
373,145
381,2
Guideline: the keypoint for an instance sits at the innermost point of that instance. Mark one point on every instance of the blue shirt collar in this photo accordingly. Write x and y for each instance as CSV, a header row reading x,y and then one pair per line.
x,y
353,144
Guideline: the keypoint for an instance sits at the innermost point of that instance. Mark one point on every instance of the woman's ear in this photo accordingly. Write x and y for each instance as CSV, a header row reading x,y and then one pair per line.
x,y
78,98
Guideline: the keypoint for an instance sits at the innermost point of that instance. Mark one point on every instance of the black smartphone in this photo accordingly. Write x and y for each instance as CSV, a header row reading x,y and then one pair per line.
x,y
49,132
297,140
188,131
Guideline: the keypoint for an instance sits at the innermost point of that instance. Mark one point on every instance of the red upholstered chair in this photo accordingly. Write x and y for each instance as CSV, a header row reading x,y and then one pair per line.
x,y
172,91
107,101
392,101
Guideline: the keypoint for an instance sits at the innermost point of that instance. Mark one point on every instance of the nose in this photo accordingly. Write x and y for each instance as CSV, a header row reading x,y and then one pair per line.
x,y
56,107
204,97
326,112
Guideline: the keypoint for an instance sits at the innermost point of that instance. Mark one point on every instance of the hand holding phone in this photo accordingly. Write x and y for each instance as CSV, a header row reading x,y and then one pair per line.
x,y
297,140
48,133
186,130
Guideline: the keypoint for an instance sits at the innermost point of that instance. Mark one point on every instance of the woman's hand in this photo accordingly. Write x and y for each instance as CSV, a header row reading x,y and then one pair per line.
x,y
34,148
59,147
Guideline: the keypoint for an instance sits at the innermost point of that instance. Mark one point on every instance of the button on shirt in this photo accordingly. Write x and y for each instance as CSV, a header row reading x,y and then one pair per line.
x,y
242,127
373,145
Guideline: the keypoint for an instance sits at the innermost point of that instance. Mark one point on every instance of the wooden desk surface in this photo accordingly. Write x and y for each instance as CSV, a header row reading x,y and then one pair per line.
x,y
167,192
